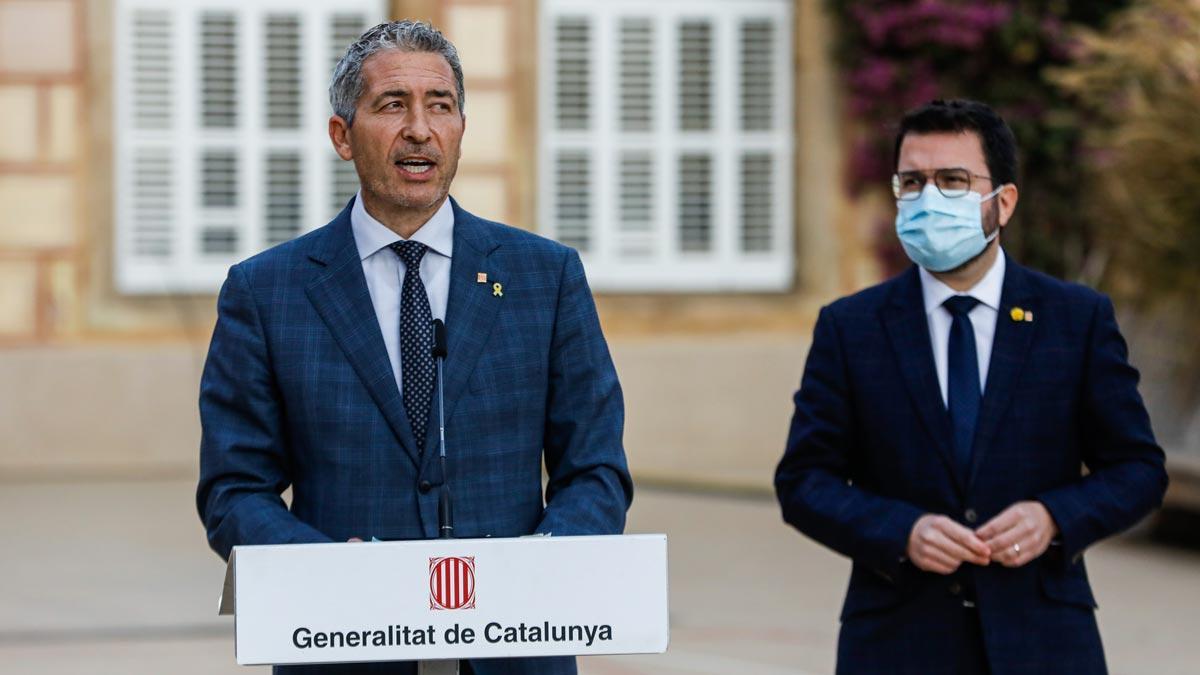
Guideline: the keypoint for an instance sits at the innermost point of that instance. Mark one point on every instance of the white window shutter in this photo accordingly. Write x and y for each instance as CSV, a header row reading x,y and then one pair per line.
x,y
152,195
695,64
219,70
572,112
150,173
220,132
637,73
573,72
695,194
635,169
573,196
755,179
282,71
152,83
757,96
637,182
283,189
344,30
219,200
667,153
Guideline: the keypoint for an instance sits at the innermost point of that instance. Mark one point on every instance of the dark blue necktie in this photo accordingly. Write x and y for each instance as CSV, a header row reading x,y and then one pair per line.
x,y
416,336
963,393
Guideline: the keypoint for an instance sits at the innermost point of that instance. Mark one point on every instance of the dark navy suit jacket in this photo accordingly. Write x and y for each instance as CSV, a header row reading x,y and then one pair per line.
x,y
869,452
298,391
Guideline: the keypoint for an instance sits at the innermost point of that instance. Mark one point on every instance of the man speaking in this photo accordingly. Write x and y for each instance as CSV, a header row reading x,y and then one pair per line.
x,y
320,374
942,425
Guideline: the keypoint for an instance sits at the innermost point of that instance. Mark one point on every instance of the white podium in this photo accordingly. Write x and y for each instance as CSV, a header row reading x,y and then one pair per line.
x,y
448,599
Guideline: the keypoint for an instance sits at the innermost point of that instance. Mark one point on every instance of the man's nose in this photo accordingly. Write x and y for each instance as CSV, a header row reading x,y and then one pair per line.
x,y
416,127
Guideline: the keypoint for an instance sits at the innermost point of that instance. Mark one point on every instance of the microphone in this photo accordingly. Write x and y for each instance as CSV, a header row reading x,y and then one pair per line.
x,y
445,508
439,339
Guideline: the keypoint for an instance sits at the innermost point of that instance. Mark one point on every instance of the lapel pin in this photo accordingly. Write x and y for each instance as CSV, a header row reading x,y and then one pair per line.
x,y
481,277
497,290
1028,317
1018,314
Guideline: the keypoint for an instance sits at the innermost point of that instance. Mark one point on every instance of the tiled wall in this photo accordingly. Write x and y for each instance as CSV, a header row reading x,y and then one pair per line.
x,y
41,89
482,31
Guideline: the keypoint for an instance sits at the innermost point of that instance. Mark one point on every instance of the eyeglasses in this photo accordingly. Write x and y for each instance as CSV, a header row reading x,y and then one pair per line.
x,y
955,182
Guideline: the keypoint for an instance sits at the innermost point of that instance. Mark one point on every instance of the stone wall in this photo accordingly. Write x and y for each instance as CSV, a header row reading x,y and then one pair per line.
x,y
41,87
96,383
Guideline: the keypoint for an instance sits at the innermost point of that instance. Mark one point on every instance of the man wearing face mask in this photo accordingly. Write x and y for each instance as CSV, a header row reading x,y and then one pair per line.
x,y
944,422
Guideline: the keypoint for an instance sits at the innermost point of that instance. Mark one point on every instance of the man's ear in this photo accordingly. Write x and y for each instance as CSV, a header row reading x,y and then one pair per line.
x,y
464,133
1007,198
339,135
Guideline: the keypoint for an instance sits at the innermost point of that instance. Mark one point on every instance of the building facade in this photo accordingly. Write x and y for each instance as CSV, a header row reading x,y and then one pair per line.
x,y
691,150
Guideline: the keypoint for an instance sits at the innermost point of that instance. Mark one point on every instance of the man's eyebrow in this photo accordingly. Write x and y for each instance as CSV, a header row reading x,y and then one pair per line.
x,y
404,93
392,93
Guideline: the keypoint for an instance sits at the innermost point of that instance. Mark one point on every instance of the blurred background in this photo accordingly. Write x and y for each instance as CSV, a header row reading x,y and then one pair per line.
x,y
722,165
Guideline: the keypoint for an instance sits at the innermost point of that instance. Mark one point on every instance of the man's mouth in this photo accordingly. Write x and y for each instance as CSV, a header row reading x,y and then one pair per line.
x,y
416,164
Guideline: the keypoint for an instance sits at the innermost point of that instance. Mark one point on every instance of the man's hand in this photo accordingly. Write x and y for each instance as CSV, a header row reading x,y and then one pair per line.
x,y
1021,533
938,544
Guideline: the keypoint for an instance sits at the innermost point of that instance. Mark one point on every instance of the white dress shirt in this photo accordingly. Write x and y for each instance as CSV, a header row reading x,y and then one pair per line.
x,y
983,319
385,271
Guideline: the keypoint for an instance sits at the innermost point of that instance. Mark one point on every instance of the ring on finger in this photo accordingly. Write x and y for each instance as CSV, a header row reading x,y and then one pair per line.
x,y
1017,549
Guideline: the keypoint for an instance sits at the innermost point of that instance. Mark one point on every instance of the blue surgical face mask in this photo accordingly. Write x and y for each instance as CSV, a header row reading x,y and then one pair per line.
x,y
941,233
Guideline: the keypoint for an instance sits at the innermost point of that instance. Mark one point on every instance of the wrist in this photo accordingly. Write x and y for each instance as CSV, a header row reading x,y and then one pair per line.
x,y
1051,524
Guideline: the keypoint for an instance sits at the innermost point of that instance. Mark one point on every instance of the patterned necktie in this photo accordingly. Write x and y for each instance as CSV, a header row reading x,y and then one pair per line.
x,y
416,335
963,393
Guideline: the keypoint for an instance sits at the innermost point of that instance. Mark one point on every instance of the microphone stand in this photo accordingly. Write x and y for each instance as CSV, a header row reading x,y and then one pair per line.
x,y
445,509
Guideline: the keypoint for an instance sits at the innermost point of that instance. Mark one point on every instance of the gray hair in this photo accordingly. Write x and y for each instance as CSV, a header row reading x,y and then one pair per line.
x,y
407,36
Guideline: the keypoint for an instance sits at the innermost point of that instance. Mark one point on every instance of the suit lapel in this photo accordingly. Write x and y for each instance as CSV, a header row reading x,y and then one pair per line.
x,y
908,330
470,310
341,298
1010,349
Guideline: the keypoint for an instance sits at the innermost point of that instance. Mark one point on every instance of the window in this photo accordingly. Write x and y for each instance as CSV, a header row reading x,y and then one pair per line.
x,y
221,148
666,144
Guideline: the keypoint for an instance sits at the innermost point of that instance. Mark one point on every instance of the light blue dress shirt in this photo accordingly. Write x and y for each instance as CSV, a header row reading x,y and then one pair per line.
x,y
385,272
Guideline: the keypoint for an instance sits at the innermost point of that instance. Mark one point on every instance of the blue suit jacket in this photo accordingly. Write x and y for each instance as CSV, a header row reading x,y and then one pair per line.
x,y
298,390
869,452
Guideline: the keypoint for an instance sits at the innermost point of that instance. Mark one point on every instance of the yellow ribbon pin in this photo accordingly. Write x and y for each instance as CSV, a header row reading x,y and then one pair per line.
x,y
1017,314
497,290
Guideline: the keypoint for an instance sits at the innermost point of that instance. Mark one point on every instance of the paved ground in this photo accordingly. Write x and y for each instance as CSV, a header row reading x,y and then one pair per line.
x,y
116,578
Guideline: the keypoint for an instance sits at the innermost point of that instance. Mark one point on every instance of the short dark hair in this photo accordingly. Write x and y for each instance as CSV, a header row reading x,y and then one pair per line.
x,y
406,36
961,115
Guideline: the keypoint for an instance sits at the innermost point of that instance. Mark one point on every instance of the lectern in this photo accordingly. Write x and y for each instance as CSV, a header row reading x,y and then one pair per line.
x,y
447,599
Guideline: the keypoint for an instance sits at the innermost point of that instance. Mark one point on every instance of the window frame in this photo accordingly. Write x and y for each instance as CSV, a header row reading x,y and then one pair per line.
x,y
187,269
726,267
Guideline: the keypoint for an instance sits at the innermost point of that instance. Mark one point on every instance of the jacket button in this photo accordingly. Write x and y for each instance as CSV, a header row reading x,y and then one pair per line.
x,y
424,486
956,589
971,516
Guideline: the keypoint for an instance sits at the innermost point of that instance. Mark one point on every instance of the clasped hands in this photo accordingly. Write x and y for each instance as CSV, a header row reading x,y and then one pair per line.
x,y
1021,533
